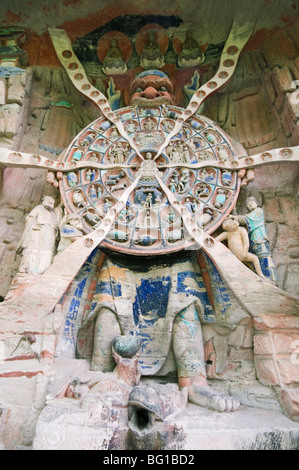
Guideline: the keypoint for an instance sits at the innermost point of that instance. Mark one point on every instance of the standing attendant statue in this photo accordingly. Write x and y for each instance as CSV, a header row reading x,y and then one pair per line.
x,y
259,242
38,242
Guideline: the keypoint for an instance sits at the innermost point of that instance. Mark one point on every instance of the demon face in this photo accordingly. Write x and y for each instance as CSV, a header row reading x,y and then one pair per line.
x,y
151,88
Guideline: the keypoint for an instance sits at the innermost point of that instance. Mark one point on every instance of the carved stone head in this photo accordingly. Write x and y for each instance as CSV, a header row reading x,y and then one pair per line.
x,y
48,202
251,203
151,88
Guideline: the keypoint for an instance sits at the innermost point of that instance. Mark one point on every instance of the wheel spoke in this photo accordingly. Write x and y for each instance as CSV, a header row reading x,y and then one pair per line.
x,y
77,75
238,37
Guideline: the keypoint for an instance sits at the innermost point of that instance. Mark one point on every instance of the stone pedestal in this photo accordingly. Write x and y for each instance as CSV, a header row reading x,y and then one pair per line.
x,y
276,349
247,429
63,427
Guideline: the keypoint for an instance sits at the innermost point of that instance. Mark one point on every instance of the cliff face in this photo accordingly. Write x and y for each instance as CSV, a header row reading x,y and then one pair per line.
x,y
41,112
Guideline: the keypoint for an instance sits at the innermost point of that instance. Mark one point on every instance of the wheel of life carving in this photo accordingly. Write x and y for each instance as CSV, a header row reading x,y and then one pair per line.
x,y
149,224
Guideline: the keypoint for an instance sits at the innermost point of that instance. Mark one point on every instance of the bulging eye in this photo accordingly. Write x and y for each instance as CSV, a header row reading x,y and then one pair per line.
x,y
138,90
163,88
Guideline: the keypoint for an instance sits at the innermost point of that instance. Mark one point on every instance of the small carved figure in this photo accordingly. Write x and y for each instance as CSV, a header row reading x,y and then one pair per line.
x,y
114,134
38,242
112,157
175,155
191,54
147,219
205,155
77,155
148,200
118,235
172,185
151,56
148,168
222,153
100,144
130,215
186,154
220,198
210,137
71,228
93,194
176,176
169,150
94,157
184,181
92,218
238,243
198,143
191,205
226,178
78,199
107,205
88,139
99,192
203,190
145,240
167,126
205,218
27,344
72,179
259,241
118,153
157,200
123,215
126,215
90,174
207,176
149,124
170,217
131,127
184,133
113,63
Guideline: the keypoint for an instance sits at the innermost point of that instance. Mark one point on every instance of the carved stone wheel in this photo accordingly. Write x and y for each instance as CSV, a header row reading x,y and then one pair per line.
x,y
149,224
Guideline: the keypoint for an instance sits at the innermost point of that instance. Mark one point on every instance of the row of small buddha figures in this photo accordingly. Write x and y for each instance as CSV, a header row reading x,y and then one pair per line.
x,y
48,231
177,151
180,181
146,200
152,54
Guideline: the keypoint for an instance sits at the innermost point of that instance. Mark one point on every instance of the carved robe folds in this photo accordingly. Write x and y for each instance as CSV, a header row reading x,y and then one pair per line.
x,y
38,242
148,300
